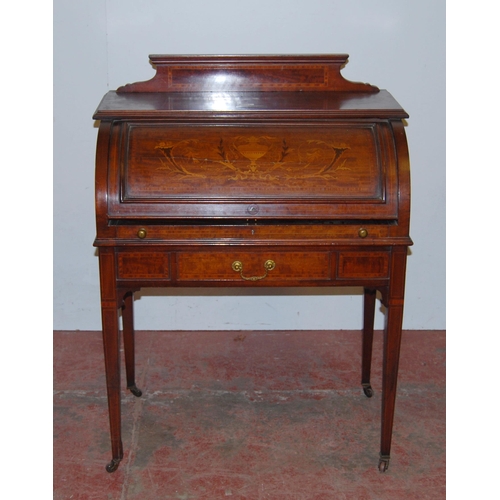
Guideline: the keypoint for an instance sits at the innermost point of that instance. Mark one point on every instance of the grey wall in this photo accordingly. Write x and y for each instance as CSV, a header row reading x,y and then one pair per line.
x,y
394,44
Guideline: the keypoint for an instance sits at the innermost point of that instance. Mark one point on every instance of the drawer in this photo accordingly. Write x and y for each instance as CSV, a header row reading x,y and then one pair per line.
x,y
261,231
143,265
260,266
251,267
359,265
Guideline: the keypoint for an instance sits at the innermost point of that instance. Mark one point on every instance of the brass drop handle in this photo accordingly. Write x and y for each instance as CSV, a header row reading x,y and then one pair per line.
x,y
362,233
269,265
142,233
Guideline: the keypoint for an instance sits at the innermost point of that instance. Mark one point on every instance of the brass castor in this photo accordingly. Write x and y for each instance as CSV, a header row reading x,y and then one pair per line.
x,y
113,465
135,390
383,463
367,389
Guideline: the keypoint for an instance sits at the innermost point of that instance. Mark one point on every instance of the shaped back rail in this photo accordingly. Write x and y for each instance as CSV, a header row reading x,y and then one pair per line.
x,y
248,73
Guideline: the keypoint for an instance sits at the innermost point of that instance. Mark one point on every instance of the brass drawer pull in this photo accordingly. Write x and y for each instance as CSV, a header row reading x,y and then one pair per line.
x,y
142,233
237,266
362,233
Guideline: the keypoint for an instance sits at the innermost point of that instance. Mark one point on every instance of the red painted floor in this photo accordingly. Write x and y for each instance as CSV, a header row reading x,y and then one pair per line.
x,y
249,415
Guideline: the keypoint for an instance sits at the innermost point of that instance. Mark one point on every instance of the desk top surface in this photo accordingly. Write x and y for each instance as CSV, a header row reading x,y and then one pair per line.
x,y
117,105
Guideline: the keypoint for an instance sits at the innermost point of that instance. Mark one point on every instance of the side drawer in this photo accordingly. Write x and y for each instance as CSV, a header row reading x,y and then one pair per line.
x,y
143,265
363,264
266,266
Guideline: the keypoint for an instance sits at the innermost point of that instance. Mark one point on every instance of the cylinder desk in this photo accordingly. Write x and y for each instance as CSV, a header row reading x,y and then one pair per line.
x,y
251,171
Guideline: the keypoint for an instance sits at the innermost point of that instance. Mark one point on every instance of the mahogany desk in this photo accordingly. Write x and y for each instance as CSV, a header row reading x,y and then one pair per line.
x,y
251,171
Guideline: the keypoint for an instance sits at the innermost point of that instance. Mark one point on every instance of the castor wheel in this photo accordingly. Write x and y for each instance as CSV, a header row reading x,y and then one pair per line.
x,y
367,389
113,465
135,390
383,463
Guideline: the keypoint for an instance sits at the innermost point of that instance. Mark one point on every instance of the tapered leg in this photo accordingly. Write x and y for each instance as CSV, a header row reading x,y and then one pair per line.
x,y
110,337
368,319
129,342
112,361
392,343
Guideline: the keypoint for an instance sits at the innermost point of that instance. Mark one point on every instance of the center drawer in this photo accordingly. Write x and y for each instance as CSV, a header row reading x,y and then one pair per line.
x,y
254,267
